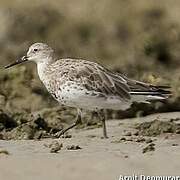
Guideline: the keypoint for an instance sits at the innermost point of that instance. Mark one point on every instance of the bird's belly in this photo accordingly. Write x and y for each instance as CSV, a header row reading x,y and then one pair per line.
x,y
90,100
93,103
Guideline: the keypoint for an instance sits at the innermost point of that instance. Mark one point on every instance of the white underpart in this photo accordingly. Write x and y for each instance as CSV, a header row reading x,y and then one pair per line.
x,y
82,98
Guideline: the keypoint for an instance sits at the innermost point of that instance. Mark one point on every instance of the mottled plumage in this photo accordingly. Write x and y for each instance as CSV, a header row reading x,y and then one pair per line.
x,y
88,85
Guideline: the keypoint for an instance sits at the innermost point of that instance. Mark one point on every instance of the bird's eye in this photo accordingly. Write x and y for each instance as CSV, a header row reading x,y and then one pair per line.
x,y
35,50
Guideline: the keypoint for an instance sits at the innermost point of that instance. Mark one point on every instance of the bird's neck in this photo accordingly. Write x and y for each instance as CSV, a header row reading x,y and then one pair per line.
x,y
42,68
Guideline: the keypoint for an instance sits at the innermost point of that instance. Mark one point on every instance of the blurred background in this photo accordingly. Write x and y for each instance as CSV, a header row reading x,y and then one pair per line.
x,y
140,38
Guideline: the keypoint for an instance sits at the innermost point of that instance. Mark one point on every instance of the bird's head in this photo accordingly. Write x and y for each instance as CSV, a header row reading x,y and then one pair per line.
x,y
37,52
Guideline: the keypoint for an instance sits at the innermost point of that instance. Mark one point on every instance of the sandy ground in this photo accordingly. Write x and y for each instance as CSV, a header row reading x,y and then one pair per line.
x,y
101,159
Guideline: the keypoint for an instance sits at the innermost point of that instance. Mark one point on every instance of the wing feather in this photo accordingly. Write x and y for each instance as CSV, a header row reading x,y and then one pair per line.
x,y
142,88
96,78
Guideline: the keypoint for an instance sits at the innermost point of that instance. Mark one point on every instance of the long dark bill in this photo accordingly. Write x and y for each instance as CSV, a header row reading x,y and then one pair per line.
x,y
23,59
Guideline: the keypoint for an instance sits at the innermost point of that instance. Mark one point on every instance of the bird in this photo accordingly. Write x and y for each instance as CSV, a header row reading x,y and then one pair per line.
x,y
87,85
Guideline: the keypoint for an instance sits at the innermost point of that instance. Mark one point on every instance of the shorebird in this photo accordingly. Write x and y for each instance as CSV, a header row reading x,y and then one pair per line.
x,y
88,85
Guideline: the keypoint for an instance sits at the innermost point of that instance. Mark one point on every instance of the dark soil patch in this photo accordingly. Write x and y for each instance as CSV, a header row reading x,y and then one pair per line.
x,y
23,126
157,127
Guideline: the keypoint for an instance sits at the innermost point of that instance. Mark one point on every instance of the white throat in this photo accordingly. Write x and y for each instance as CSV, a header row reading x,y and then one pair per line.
x,y
42,68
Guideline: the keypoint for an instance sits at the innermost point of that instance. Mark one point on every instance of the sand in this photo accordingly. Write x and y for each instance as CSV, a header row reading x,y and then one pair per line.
x,y
100,159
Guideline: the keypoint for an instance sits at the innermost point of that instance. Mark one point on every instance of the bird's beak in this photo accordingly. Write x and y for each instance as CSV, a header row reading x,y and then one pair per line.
x,y
23,59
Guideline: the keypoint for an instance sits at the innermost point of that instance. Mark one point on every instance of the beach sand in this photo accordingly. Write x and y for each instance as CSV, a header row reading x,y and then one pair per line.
x,y
98,158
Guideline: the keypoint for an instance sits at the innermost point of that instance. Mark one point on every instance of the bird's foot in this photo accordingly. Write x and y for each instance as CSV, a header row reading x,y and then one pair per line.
x,y
59,134
104,137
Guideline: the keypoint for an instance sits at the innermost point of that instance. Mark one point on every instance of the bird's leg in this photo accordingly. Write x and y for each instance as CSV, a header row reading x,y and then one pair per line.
x,y
103,119
77,121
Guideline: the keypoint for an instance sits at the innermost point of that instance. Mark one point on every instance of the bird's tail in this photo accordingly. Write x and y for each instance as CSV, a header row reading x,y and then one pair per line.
x,y
152,93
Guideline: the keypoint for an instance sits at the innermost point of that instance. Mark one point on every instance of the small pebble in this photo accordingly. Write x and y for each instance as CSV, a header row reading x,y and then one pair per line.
x,y
123,139
3,151
149,148
128,134
149,140
55,146
66,136
129,139
136,133
175,144
178,131
140,139
73,147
